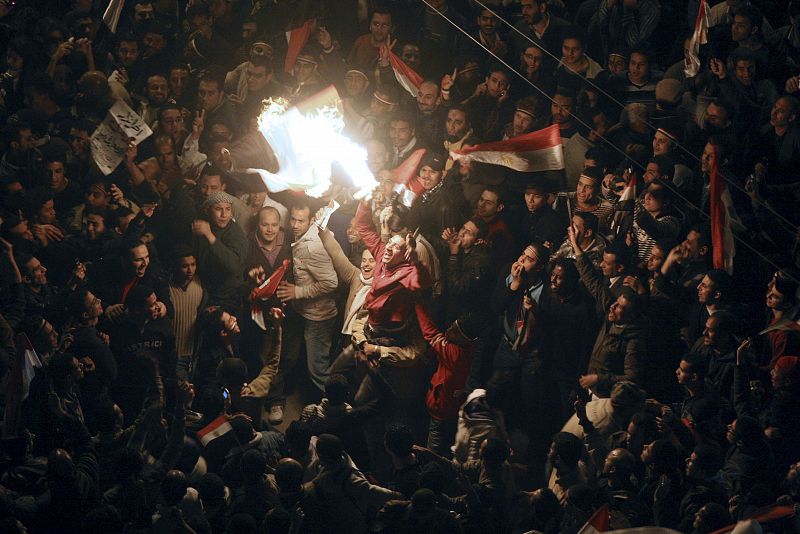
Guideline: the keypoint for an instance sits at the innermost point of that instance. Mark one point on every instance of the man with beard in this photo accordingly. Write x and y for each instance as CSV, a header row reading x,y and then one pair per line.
x,y
457,129
430,116
135,269
156,93
490,106
539,25
220,248
310,294
469,270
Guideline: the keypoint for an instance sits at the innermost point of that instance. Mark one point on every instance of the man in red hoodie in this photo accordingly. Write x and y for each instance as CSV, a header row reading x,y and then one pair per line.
x,y
454,351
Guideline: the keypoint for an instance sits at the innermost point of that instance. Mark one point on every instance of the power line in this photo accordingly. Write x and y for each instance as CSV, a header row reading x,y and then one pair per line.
x,y
733,183
585,125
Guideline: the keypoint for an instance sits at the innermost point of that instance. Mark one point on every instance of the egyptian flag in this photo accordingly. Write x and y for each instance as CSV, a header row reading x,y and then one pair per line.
x,y
112,14
215,429
297,39
407,186
765,515
19,381
265,292
699,37
407,77
536,151
721,209
599,522
623,219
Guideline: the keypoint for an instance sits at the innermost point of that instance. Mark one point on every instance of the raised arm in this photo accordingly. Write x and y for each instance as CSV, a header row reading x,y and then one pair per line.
x,y
346,270
366,229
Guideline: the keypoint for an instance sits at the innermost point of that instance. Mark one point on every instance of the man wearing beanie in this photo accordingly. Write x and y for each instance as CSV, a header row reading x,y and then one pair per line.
x,y
220,247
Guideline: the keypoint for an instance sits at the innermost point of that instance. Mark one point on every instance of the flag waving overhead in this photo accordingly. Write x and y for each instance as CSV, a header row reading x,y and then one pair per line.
x,y
406,76
307,140
405,177
297,39
699,37
721,209
112,14
536,151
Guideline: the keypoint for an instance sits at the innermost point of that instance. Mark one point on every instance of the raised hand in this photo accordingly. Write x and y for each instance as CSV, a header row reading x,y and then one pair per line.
x,y
198,124
257,275
324,38
449,80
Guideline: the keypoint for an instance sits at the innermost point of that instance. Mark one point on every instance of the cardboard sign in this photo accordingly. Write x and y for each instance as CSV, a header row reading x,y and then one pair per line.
x,y
109,142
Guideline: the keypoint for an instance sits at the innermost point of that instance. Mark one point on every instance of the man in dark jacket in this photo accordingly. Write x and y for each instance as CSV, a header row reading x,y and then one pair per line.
x,y
523,300
221,249
268,248
620,346
140,339
540,221
469,269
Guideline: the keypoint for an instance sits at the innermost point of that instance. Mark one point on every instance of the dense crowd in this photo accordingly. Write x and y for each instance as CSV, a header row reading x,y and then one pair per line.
x,y
505,352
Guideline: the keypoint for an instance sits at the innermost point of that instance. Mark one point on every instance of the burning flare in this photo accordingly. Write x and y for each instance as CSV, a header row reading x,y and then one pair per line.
x,y
306,145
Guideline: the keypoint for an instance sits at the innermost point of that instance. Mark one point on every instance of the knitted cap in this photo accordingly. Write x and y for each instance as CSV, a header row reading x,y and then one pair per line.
x,y
217,198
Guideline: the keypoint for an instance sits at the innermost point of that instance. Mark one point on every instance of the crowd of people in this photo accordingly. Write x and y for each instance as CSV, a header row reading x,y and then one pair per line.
x,y
504,352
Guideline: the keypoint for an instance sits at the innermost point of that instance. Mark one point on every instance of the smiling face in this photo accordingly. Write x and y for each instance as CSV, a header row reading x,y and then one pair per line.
x,y
487,22
95,226
269,225
620,312
230,325
429,178
157,89
586,189
394,253
367,264
140,259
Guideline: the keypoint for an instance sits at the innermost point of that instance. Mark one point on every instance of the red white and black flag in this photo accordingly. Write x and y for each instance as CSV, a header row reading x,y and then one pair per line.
x,y
536,151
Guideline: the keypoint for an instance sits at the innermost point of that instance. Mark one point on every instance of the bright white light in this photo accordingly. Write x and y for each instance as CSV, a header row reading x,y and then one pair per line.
x,y
307,145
